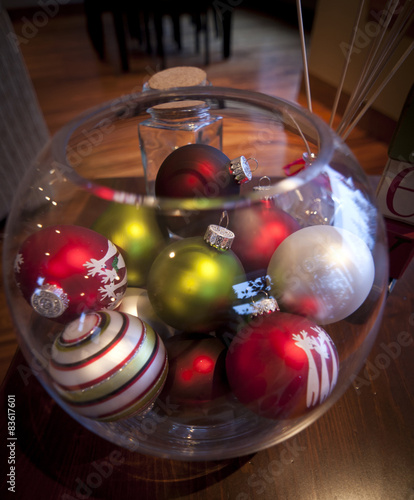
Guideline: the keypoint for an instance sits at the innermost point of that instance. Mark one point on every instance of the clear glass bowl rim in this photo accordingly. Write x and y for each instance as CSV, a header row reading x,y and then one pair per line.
x,y
142,101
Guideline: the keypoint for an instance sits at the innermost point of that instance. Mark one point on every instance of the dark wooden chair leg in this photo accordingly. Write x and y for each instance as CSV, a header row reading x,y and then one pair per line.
x,y
204,17
227,18
94,27
159,37
121,38
177,29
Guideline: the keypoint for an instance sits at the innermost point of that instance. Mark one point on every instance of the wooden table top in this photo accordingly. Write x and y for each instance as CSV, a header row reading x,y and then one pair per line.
x,y
361,449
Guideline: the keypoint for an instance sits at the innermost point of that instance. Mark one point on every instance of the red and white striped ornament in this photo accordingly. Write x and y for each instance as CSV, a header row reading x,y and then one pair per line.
x,y
108,365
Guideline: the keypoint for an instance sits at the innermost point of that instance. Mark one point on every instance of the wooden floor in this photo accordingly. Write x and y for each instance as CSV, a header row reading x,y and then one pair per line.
x,y
69,78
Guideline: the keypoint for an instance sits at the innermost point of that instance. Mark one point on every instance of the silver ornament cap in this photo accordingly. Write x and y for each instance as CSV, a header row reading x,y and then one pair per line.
x,y
240,169
265,306
219,237
49,301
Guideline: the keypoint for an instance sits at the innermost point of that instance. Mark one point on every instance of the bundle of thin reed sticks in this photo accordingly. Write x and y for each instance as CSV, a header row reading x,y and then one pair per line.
x,y
376,72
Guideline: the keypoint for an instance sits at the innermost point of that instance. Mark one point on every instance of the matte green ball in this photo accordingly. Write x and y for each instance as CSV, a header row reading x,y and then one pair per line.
x,y
137,233
190,284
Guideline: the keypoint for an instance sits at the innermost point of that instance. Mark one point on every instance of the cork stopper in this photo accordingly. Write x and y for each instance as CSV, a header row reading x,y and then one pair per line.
x,y
181,105
219,237
179,109
49,301
180,76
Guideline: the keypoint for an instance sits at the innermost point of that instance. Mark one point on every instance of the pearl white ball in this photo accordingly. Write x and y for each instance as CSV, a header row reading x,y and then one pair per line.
x,y
323,272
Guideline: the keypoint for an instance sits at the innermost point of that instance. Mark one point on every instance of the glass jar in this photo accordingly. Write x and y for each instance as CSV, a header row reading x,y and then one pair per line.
x,y
172,125
224,404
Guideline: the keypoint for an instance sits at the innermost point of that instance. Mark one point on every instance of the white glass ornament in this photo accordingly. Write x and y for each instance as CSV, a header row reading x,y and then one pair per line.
x,y
323,272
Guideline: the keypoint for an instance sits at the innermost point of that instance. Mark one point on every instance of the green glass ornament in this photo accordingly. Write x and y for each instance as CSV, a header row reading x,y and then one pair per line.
x,y
190,284
137,233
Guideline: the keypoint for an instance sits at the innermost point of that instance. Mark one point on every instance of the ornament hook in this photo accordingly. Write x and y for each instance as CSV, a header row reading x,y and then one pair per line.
x,y
224,215
261,186
218,236
261,291
256,162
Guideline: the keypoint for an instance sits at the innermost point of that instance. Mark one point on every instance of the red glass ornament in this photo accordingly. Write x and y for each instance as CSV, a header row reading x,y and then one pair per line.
x,y
197,374
64,271
282,365
195,170
259,230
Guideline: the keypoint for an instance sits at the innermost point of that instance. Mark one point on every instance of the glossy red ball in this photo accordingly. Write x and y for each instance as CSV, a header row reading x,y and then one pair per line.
x,y
195,170
259,229
197,374
64,271
282,365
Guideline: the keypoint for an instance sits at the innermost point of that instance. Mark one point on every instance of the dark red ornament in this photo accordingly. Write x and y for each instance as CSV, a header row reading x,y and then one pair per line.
x,y
259,230
195,170
282,365
64,271
197,374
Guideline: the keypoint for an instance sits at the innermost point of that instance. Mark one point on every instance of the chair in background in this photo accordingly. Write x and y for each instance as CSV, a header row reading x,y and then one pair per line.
x,y
140,21
174,9
199,14
94,10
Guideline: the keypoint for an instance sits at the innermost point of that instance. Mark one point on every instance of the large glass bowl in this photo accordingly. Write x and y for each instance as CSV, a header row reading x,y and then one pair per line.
x,y
94,164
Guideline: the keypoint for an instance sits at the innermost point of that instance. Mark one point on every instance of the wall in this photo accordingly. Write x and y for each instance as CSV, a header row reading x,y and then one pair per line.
x,y
332,31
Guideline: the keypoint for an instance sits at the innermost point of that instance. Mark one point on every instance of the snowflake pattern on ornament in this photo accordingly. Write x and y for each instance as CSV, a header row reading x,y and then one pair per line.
x,y
18,261
109,275
318,389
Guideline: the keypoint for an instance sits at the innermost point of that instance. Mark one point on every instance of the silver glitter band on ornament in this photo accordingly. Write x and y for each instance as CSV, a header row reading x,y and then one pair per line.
x,y
219,237
265,306
240,169
49,301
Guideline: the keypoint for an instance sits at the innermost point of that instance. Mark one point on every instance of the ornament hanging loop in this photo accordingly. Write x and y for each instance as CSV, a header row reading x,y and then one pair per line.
x,y
256,164
218,236
262,186
224,215
266,296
